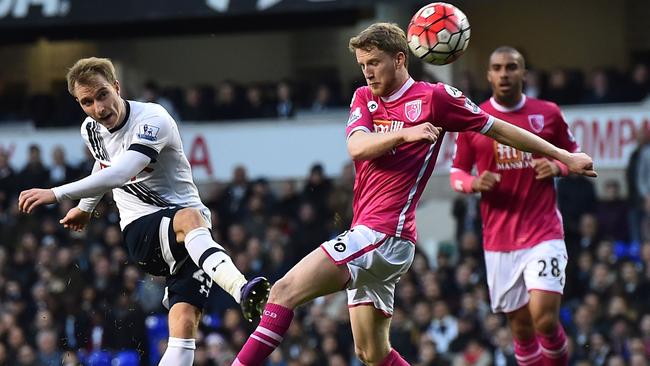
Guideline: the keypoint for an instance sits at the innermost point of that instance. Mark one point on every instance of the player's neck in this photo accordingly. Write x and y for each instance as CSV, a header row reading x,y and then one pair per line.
x,y
400,80
510,101
122,115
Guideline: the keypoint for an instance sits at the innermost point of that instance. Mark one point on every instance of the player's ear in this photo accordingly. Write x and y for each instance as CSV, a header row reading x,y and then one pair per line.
x,y
117,87
400,59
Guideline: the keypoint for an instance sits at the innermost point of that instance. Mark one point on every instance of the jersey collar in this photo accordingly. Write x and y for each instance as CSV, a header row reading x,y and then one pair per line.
x,y
398,94
505,109
126,118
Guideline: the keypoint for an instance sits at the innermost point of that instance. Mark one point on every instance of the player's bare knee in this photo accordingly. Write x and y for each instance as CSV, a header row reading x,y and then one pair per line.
x,y
185,323
546,323
369,355
282,293
186,220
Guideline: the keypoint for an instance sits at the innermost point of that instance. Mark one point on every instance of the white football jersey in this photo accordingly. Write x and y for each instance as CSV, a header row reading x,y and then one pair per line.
x,y
166,181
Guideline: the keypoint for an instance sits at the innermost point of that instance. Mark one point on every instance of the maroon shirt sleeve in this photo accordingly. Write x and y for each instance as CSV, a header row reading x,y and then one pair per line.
x,y
453,111
359,118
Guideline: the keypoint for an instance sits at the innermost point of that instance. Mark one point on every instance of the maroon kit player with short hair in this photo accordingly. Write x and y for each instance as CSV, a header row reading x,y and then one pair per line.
x,y
393,134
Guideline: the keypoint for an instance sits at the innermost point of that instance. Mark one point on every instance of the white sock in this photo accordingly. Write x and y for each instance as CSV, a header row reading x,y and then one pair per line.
x,y
214,260
180,352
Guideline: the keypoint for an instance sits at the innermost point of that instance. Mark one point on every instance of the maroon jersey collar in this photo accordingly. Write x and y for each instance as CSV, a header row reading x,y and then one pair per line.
x,y
398,94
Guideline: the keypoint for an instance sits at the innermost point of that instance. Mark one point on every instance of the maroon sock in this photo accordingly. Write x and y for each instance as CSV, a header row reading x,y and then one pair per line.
x,y
555,349
528,352
267,337
394,359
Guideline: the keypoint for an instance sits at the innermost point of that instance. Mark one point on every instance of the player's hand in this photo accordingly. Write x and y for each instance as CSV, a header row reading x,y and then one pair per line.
x,y
545,168
32,198
76,219
581,163
425,131
486,181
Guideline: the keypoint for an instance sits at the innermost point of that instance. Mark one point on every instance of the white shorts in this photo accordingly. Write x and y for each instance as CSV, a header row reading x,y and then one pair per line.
x,y
376,262
511,275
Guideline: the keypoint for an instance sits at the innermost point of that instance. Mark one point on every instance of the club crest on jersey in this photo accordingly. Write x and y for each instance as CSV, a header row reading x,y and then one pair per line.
x,y
354,116
372,106
413,109
536,122
148,132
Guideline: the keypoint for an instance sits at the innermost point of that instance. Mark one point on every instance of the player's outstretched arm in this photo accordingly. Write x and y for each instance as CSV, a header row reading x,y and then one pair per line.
x,y
367,145
128,165
506,133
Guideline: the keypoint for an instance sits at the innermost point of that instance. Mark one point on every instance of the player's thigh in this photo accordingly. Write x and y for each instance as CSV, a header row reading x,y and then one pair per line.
x,y
370,330
315,275
545,310
183,320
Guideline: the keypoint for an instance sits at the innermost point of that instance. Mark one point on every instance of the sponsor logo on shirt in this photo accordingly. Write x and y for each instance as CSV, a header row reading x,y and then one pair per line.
x,y
148,132
372,106
354,116
508,158
413,109
383,126
536,122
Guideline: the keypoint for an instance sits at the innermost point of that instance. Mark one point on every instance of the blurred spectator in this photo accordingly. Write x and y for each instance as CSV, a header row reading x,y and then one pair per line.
x,y
196,107
639,84
233,199
558,90
48,354
285,107
60,171
317,190
7,182
152,94
475,354
635,201
443,328
576,196
255,105
643,181
600,89
34,174
226,106
323,99
611,213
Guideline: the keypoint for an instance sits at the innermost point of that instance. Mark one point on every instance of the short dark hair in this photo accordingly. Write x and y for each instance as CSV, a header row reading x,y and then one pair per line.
x,y
511,50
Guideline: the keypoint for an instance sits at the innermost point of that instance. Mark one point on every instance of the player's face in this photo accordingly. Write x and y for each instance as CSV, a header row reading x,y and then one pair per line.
x,y
101,101
380,70
506,76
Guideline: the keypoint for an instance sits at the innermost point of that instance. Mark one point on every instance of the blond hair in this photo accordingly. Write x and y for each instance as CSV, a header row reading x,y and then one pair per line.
x,y
387,37
86,69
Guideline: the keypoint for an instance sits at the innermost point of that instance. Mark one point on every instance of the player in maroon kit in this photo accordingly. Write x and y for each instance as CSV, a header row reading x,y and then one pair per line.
x,y
393,131
523,238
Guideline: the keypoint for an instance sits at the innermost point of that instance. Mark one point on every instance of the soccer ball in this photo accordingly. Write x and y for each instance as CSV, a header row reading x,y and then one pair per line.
x,y
438,33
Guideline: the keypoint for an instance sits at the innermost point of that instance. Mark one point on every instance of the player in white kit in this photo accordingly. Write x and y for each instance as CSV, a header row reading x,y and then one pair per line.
x,y
139,156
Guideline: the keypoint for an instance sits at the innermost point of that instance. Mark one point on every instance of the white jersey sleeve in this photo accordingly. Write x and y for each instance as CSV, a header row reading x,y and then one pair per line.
x,y
150,136
89,204
125,166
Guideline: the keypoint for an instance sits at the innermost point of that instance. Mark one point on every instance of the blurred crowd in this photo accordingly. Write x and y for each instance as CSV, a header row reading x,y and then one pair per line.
x,y
68,298
233,101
